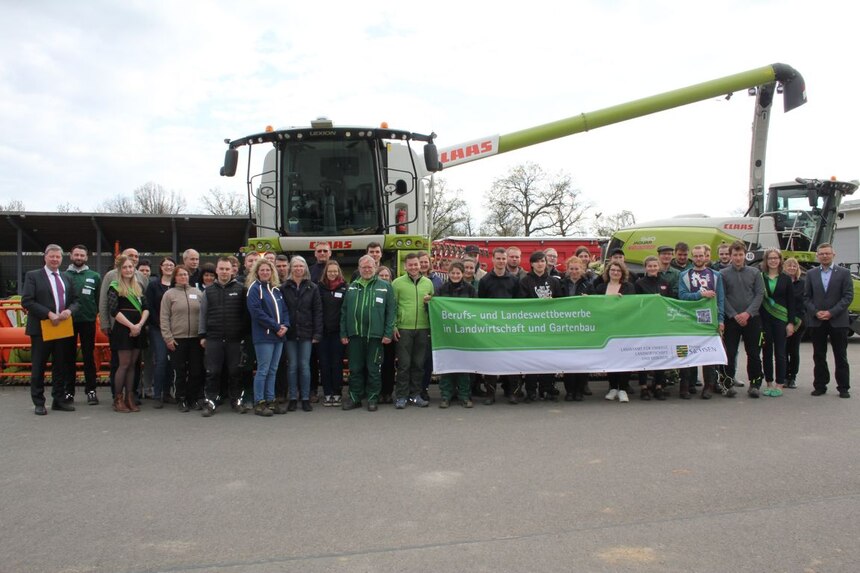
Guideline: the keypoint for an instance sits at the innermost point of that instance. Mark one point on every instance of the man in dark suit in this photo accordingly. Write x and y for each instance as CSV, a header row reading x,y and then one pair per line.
x,y
49,294
828,293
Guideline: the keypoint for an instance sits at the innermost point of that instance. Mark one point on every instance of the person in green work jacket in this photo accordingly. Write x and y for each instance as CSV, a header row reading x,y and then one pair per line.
x,y
412,292
366,323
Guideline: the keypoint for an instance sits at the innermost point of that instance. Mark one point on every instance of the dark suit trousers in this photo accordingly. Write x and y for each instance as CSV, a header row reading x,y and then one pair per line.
x,y
60,353
839,342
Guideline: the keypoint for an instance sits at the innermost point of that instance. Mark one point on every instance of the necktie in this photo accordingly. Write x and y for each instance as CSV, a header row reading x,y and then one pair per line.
x,y
61,293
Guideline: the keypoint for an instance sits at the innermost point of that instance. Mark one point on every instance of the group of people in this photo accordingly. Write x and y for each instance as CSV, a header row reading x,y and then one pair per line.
x,y
264,336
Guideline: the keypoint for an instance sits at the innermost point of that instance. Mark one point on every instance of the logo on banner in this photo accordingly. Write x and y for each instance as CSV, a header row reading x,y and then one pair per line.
x,y
682,351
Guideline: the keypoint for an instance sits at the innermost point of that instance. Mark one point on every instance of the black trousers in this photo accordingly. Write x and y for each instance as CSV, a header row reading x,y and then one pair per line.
x,y
575,383
60,353
838,336
792,353
751,335
86,332
219,357
187,362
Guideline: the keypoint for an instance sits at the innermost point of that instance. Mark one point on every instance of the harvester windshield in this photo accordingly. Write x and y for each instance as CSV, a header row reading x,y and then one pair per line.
x,y
330,187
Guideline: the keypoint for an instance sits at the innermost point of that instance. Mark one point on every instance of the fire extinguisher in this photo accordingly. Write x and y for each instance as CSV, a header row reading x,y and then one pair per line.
x,y
401,221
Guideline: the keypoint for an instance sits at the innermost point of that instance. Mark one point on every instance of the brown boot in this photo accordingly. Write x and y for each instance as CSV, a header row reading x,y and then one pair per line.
x,y
119,404
132,405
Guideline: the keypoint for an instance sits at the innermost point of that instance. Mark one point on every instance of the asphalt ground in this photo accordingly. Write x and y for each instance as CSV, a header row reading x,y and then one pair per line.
x,y
723,485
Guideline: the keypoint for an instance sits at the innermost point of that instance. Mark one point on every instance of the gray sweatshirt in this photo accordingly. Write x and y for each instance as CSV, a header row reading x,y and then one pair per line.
x,y
744,290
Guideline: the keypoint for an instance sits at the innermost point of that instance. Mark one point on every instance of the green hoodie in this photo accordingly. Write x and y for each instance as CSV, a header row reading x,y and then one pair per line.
x,y
368,309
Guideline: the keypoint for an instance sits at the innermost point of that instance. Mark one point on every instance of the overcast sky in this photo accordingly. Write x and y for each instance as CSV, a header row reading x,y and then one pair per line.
x,y
100,97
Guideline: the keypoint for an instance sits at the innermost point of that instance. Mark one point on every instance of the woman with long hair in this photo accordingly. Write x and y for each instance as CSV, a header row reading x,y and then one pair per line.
x,y
792,347
269,323
162,375
777,321
616,283
128,311
302,299
332,291
180,328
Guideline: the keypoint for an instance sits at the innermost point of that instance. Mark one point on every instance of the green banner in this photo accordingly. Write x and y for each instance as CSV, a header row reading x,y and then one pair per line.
x,y
574,334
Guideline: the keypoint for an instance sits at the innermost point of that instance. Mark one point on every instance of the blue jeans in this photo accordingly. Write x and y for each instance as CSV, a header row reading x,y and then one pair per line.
x,y
299,368
268,355
162,373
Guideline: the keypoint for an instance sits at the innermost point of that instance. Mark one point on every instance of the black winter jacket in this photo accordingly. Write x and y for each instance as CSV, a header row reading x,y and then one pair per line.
x,y
653,285
461,289
578,288
492,285
224,313
332,302
305,309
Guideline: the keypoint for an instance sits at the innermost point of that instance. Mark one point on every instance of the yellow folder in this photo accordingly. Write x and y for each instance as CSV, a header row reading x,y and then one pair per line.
x,y
64,329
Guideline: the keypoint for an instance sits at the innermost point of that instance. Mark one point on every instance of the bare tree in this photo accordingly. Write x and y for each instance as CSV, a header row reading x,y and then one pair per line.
x,y
153,199
527,202
67,207
118,204
218,202
568,214
15,205
149,199
449,213
606,226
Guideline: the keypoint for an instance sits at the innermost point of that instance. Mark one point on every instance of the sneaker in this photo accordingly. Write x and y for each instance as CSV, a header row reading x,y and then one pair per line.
x,y
738,384
468,404
419,401
278,407
70,398
612,394
844,394
92,399
790,383
767,391
444,403
336,400
182,406
753,392
328,401
306,406
775,393
196,405
314,398
208,408
372,407
238,407
622,396
400,403
425,395
730,393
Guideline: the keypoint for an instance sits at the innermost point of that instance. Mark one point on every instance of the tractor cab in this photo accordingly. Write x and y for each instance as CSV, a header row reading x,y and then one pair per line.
x,y
804,211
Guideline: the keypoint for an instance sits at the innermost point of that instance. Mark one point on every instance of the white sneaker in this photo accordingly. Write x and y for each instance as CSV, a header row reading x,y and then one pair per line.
x,y
622,396
613,394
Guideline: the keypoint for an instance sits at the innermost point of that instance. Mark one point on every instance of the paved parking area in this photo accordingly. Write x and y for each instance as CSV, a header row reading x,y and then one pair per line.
x,y
723,485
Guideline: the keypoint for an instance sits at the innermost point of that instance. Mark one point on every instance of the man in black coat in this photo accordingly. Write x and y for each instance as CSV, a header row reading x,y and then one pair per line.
x,y
49,295
828,294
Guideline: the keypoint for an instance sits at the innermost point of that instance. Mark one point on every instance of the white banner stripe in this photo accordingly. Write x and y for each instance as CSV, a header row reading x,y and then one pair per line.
x,y
620,355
